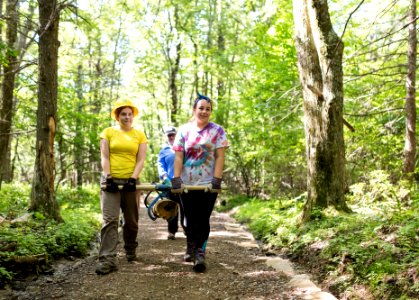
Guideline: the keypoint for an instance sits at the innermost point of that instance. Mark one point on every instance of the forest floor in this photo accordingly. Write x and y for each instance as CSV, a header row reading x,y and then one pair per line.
x,y
237,269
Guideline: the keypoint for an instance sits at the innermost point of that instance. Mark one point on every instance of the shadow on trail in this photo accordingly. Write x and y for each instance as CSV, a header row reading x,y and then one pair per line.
x,y
236,270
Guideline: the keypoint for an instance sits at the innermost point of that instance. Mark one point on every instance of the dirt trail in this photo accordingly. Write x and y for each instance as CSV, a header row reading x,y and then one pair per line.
x,y
237,269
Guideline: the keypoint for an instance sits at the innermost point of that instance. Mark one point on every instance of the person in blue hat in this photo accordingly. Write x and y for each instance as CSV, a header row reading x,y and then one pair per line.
x,y
165,169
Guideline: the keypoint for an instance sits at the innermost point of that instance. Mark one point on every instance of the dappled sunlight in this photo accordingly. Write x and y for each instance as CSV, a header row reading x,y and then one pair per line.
x,y
223,234
173,257
246,244
319,245
158,251
154,267
226,266
178,253
181,274
259,273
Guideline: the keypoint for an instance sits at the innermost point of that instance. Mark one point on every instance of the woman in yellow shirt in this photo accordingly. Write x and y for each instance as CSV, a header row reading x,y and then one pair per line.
x,y
123,150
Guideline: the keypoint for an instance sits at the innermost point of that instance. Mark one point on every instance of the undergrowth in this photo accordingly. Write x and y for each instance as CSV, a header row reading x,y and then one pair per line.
x,y
371,253
368,254
27,238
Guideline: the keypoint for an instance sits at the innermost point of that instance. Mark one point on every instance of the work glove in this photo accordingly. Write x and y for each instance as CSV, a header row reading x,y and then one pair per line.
x,y
130,186
167,182
177,185
108,185
215,185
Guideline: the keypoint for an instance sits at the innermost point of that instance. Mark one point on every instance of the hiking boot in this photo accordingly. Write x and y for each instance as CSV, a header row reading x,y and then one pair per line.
x,y
131,257
171,236
104,268
199,264
190,248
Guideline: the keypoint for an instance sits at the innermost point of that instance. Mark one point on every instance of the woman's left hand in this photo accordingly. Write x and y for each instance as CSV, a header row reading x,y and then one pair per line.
x,y
130,186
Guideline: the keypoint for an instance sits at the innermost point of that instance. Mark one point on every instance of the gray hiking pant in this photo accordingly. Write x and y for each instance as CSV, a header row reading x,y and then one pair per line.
x,y
111,204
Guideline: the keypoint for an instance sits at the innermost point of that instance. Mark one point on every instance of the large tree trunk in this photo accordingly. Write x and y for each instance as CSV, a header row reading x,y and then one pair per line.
x,y
320,66
410,107
43,194
174,71
1,27
7,88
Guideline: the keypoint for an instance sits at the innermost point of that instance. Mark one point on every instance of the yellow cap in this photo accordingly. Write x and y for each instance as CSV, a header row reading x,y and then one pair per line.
x,y
123,103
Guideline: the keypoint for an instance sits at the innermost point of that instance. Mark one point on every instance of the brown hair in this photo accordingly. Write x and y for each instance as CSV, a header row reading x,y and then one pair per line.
x,y
119,109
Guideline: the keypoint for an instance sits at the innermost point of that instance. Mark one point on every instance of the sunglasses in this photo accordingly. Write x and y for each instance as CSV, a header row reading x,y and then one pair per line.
x,y
171,135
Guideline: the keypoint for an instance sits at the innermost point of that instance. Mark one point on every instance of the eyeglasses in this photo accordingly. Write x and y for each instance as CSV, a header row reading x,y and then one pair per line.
x,y
171,135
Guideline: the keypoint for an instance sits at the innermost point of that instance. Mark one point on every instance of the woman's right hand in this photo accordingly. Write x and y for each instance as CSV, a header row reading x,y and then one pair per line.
x,y
108,185
215,185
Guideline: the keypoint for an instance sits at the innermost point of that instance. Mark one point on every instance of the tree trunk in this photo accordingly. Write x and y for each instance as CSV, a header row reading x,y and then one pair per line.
x,y
95,104
220,116
174,71
206,76
410,107
1,27
43,193
22,46
320,67
7,88
79,137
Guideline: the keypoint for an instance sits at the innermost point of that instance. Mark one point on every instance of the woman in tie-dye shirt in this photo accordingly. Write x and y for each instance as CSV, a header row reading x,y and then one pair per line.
x,y
199,160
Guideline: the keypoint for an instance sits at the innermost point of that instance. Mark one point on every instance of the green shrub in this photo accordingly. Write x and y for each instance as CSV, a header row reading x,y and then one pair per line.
x,y
14,199
376,246
80,210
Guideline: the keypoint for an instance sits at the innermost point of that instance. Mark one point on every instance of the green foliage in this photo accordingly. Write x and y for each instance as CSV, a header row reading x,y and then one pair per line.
x,y
375,79
37,235
14,199
267,118
231,202
4,274
378,191
243,56
266,219
376,246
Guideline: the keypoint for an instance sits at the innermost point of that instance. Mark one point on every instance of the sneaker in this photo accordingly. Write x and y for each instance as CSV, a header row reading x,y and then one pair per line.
x,y
189,254
171,236
187,257
104,268
199,264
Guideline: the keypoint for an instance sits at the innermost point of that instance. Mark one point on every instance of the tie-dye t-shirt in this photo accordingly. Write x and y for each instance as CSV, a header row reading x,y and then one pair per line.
x,y
199,148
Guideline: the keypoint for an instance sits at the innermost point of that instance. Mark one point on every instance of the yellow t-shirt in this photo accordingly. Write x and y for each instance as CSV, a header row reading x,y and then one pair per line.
x,y
123,149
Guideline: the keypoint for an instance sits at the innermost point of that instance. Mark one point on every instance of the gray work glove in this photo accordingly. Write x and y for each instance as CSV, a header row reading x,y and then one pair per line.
x,y
177,185
215,185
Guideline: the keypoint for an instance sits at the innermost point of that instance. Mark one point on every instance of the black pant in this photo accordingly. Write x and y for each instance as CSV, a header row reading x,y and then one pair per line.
x,y
172,224
197,207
